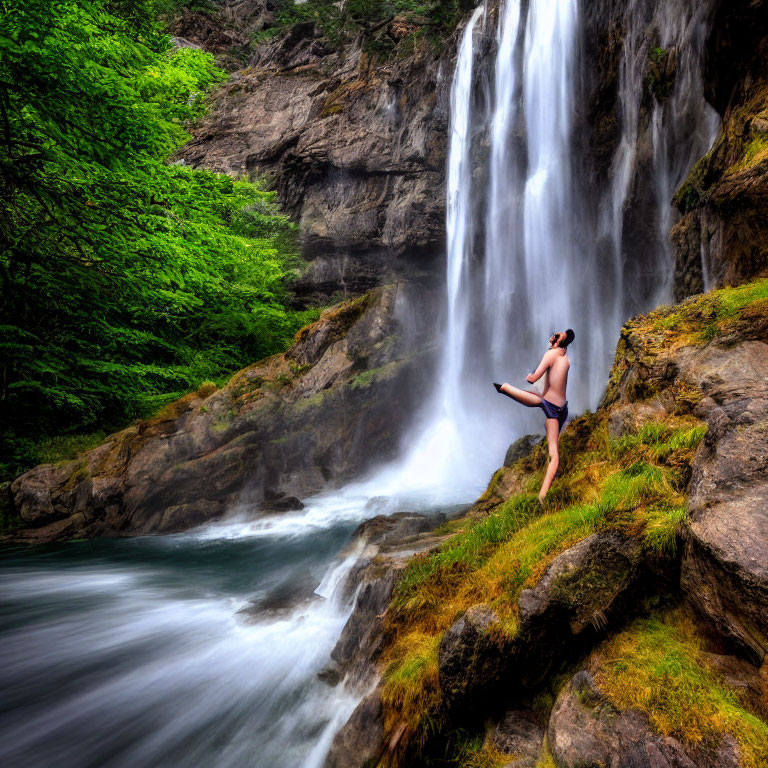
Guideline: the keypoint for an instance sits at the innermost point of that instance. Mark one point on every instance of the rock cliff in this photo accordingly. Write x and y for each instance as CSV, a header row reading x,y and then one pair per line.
x,y
722,236
625,625
355,144
282,428
355,140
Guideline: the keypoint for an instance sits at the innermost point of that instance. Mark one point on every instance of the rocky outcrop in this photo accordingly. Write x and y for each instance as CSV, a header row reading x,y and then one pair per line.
x,y
721,238
390,541
705,360
724,567
585,728
356,148
282,428
586,590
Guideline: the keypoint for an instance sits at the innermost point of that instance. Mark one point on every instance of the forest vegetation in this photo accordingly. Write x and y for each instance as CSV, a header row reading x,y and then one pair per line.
x,y
127,279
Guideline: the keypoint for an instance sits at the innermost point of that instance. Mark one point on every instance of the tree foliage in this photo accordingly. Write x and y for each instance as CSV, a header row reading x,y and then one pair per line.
x,y
126,279
369,19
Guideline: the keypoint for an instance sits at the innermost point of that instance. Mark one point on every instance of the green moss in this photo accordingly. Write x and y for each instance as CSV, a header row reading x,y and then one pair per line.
x,y
692,192
477,751
383,373
702,318
223,422
306,403
546,760
657,666
79,475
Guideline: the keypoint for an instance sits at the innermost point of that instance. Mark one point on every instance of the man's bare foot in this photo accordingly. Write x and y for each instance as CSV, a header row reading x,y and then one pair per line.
x,y
541,501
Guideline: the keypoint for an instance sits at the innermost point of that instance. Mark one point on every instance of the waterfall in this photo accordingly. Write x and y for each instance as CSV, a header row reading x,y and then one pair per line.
x,y
503,220
683,126
458,223
536,244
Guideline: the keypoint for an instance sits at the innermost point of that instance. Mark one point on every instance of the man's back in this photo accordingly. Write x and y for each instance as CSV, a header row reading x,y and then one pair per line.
x,y
558,377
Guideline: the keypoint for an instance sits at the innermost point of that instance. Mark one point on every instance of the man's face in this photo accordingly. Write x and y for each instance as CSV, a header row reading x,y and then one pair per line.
x,y
556,338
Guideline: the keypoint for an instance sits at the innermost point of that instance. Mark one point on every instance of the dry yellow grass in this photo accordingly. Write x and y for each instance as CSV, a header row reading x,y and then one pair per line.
x,y
657,666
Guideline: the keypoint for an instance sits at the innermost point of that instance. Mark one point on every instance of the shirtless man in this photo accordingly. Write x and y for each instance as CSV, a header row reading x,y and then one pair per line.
x,y
552,400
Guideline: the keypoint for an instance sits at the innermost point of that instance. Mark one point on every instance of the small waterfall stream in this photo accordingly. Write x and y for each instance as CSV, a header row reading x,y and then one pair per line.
x,y
204,648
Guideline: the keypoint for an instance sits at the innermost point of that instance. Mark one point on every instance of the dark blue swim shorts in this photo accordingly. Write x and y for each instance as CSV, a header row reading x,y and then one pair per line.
x,y
552,411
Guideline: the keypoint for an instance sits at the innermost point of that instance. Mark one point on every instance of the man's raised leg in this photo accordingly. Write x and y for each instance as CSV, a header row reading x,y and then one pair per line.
x,y
530,399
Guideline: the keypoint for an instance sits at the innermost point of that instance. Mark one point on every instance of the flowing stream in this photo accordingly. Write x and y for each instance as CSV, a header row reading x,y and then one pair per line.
x,y
204,648
200,649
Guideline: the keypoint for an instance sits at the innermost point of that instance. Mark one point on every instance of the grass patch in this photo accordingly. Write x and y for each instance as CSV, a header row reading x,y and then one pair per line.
x,y
703,318
657,666
67,447
478,752
634,483
755,152
411,688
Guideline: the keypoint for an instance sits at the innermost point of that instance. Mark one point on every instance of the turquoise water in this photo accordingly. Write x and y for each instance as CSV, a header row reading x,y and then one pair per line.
x,y
200,649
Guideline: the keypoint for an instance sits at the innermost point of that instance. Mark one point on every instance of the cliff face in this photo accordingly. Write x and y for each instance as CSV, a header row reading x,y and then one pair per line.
x,y
722,235
355,146
285,427
519,627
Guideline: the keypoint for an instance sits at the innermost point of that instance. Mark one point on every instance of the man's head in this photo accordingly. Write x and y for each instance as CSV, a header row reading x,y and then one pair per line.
x,y
562,338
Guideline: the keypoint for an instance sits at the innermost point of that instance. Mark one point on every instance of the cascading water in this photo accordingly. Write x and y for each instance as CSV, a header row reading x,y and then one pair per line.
x,y
683,127
194,649
204,648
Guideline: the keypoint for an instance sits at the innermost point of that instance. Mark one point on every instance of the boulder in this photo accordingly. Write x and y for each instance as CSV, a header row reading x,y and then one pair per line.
x,y
586,589
521,448
586,729
468,657
725,568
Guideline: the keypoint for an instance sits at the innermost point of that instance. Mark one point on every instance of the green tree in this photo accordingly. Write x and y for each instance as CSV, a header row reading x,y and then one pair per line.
x,y
126,279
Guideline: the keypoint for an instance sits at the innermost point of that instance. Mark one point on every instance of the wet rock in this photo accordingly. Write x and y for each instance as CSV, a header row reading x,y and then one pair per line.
x,y
521,448
359,741
383,546
281,600
276,502
398,528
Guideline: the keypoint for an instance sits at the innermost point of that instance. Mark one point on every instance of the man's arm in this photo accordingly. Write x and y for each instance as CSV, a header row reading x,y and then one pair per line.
x,y
546,361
